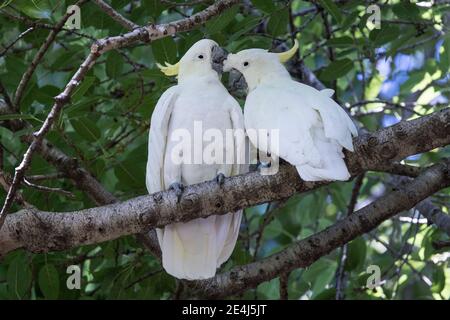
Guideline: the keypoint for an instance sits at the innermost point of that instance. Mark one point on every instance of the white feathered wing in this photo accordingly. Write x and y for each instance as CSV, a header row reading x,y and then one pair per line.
x,y
195,249
313,128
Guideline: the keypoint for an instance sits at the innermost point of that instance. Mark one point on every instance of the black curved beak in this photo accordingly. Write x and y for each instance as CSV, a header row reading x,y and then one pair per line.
x,y
236,80
218,55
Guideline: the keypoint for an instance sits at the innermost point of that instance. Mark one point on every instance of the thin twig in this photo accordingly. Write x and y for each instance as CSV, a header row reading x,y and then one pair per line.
x,y
145,276
106,8
51,176
6,185
440,244
48,189
186,3
6,96
20,36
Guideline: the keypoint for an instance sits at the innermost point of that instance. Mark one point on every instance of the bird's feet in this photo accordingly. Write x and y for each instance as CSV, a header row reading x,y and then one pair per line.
x,y
220,179
178,188
264,165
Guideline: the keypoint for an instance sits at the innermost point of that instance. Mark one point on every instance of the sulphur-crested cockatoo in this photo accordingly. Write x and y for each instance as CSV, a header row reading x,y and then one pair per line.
x,y
194,249
312,127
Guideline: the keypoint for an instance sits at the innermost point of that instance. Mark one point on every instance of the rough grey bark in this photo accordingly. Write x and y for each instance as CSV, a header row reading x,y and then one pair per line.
x,y
46,231
434,215
397,142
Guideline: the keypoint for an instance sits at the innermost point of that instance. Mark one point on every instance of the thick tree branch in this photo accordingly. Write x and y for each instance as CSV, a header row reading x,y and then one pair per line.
x,y
434,215
400,141
45,231
426,207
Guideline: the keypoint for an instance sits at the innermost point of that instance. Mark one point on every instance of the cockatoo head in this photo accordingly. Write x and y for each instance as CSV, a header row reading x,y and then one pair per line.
x,y
204,58
258,64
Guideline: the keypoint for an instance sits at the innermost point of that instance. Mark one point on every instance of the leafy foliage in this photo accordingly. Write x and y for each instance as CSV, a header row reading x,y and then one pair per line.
x,y
105,128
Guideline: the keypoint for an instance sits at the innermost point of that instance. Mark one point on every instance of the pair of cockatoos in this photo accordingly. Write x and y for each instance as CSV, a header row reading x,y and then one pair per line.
x,y
313,129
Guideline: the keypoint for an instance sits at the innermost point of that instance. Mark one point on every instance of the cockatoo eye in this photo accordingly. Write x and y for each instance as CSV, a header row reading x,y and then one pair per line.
x,y
200,56
246,63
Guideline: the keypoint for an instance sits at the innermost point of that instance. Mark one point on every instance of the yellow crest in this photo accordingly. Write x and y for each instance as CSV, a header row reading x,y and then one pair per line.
x,y
285,56
169,69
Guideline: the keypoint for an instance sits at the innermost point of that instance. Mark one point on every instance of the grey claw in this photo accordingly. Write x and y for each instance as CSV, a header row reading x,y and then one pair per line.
x,y
220,179
178,188
263,165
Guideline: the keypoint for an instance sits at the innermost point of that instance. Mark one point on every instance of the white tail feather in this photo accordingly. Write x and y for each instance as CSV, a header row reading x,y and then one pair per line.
x,y
195,249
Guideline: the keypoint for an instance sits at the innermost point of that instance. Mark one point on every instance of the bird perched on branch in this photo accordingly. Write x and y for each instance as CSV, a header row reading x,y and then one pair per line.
x,y
312,127
195,249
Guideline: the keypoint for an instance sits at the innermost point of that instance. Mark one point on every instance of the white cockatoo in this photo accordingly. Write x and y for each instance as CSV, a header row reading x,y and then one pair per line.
x,y
194,249
313,128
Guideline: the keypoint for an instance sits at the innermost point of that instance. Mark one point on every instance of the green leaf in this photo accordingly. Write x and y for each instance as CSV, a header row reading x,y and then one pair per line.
x,y
131,175
264,5
328,294
336,69
4,291
46,94
384,35
406,10
86,128
401,40
438,280
153,7
374,87
319,274
415,78
278,22
49,281
444,62
215,25
332,8
34,9
356,255
269,289
165,50
243,27
19,277
82,88
342,42
114,64
349,20
312,272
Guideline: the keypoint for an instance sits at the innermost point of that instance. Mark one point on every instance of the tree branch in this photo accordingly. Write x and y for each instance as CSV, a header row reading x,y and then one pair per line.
x,y
434,215
46,231
106,8
304,252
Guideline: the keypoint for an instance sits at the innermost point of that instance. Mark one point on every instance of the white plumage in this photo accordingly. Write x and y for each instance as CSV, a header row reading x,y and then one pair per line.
x,y
313,128
195,249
